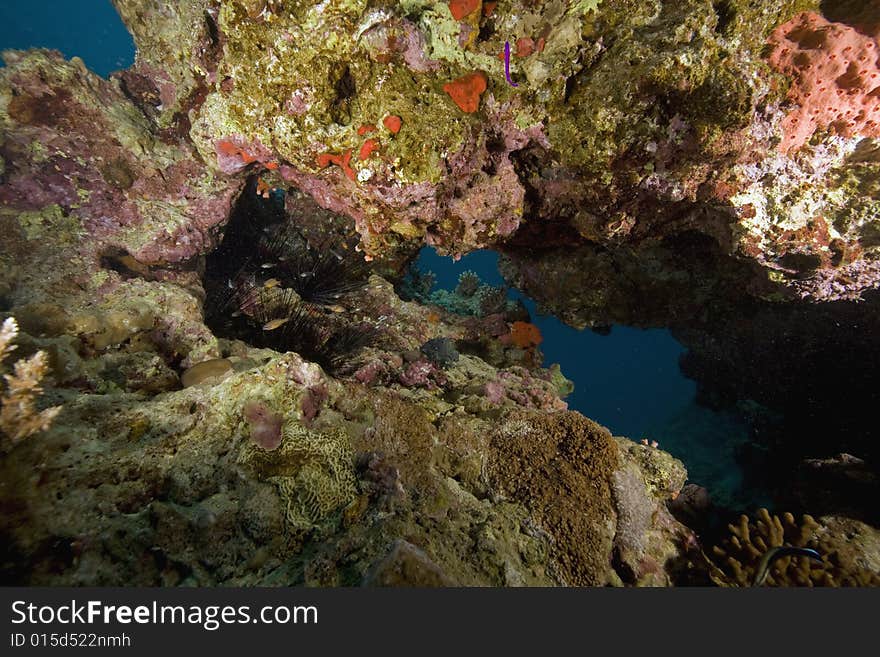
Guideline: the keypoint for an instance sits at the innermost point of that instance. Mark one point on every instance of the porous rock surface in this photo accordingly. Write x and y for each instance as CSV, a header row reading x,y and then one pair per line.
x,y
632,123
643,138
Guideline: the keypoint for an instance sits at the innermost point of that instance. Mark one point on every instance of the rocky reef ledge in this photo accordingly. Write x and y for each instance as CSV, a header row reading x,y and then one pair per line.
x,y
659,163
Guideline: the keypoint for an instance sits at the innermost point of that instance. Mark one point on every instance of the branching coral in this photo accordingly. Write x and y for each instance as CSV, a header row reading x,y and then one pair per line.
x,y
468,284
736,562
492,300
19,417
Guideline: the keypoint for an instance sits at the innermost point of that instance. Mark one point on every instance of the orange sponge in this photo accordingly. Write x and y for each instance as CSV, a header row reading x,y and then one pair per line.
x,y
466,91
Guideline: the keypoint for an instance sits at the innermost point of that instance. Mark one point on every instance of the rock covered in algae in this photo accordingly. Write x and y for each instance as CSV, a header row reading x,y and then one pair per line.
x,y
95,204
631,123
80,157
172,489
639,135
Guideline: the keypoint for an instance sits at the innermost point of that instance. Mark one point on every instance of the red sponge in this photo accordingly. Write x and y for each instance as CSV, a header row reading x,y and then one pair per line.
x,y
836,78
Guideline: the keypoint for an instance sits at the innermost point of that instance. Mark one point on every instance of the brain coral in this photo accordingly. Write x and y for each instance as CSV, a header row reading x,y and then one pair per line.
x,y
836,78
314,472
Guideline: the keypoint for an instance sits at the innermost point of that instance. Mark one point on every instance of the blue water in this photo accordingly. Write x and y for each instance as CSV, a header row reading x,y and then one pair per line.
x,y
89,29
628,380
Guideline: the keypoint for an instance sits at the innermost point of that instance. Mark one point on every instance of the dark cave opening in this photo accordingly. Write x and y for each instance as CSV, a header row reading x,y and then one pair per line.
x,y
863,15
272,285
760,386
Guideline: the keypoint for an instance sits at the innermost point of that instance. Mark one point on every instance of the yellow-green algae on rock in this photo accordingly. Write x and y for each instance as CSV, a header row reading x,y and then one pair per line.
x,y
302,53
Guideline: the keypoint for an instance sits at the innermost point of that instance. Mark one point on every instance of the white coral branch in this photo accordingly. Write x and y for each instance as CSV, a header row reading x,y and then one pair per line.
x,y
7,334
19,417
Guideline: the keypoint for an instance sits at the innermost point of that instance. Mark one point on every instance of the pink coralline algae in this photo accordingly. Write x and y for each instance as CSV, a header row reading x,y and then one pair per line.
x,y
517,385
312,401
399,39
495,392
265,425
482,206
112,190
371,372
836,79
423,374
297,104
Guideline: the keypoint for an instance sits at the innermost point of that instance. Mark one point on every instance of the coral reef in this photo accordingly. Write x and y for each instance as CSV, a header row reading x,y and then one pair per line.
x,y
202,253
180,475
843,562
656,131
470,297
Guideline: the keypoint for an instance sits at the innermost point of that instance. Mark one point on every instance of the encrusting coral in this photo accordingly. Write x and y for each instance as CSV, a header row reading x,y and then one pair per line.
x,y
533,457
19,417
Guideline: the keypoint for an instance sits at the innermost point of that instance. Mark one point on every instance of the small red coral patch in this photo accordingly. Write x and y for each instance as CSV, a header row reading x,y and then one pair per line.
x,y
462,8
367,149
226,147
342,161
523,335
466,91
232,156
525,47
393,123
